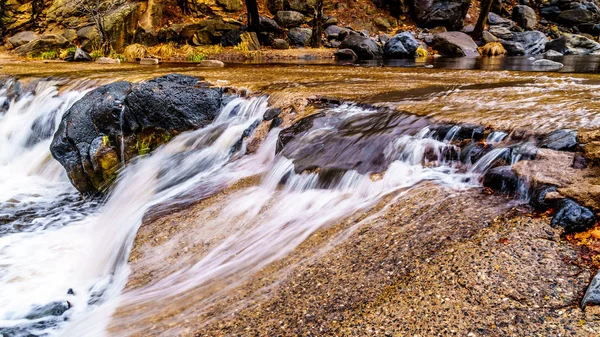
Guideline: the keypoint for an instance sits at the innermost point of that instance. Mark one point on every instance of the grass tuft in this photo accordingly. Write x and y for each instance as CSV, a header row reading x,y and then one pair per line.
x,y
165,51
492,49
136,51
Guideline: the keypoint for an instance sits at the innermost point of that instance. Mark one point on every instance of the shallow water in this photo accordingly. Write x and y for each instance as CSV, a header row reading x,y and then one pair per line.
x,y
53,241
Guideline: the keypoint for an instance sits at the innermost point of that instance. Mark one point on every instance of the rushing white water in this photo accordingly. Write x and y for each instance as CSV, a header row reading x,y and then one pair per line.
x,y
72,244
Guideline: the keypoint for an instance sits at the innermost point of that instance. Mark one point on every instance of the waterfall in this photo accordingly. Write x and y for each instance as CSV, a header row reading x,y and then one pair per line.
x,y
75,250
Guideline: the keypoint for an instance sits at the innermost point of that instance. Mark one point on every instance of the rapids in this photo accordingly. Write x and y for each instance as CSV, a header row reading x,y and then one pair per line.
x,y
57,248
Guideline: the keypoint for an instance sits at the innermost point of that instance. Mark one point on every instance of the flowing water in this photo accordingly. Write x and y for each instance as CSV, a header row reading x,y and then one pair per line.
x,y
64,260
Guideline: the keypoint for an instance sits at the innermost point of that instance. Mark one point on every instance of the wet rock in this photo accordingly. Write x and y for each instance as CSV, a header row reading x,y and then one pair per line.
x,y
346,54
572,217
592,294
502,179
552,53
402,45
471,153
560,140
149,61
546,65
299,37
543,197
145,114
289,19
108,60
383,38
50,309
434,13
42,44
364,47
80,55
496,20
280,44
513,48
523,151
573,44
271,113
455,44
211,64
22,38
524,16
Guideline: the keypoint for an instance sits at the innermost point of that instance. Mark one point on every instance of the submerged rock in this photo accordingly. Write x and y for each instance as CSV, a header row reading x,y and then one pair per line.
x,y
546,65
51,309
116,122
573,217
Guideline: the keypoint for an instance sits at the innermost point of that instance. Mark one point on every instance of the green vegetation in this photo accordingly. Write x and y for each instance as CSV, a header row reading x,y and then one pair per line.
x,y
242,46
196,57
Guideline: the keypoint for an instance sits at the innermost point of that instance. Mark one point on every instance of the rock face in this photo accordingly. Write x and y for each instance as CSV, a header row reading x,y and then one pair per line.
x,y
524,16
403,45
117,122
455,44
364,47
42,44
22,38
434,13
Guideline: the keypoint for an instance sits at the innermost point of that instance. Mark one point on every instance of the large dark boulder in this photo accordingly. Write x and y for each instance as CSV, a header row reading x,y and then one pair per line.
x,y
403,45
289,19
524,16
573,217
455,44
299,37
119,121
435,13
364,47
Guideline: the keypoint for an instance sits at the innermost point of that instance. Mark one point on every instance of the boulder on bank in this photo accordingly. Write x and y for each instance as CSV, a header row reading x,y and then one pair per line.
x,y
525,43
455,44
403,45
289,19
364,47
573,44
119,121
525,17
300,37
435,13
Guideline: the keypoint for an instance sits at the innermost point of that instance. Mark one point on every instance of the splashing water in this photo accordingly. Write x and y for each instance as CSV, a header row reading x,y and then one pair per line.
x,y
72,244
